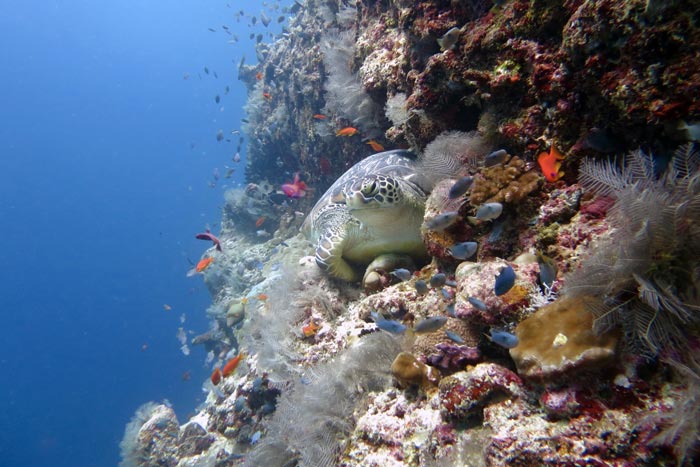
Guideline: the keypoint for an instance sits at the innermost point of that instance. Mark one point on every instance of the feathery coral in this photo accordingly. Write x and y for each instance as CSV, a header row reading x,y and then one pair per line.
x,y
649,270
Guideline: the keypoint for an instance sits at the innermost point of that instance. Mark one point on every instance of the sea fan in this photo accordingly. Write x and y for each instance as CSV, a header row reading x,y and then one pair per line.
x,y
315,414
451,153
648,272
345,95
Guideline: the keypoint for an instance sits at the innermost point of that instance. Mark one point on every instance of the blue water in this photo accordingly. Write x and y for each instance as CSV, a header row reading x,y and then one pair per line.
x,y
106,156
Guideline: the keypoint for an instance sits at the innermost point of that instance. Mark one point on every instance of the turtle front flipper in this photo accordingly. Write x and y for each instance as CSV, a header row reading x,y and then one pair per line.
x,y
329,256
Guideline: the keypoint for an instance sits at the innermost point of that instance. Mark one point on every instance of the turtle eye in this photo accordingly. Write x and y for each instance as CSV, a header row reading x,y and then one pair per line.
x,y
369,189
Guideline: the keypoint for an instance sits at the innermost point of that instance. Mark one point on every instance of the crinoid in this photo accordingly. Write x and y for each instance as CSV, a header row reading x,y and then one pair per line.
x,y
648,272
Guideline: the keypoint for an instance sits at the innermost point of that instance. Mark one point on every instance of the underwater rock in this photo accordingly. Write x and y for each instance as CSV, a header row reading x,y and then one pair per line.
x,y
464,394
410,371
558,338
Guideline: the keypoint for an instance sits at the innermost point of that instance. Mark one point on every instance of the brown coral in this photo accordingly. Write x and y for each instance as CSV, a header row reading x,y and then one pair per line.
x,y
507,183
559,337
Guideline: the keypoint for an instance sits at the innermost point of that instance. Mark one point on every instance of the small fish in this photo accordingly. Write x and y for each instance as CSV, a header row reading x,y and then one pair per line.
x,y
229,172
296,189
232,364
489,211
211,29
438,280
260,221
442,221
375,146
206,70
263,233
550,163
281,19
450,309
262,297
449,39
446,294
463,250
431,324
454,337
319,116
504,339
256,437
207,235
692,130
167,307
421,287
264,19
478,304
495,158
388,325
217,98
267,95
401,274
226,90
548,270
216,377
258,76
186,376
186,76
460,187
203,264
347,131
310,329
236,158
504,280
220,136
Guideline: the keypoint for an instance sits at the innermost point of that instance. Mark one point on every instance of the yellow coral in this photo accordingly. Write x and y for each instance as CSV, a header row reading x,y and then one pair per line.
x,y
504,183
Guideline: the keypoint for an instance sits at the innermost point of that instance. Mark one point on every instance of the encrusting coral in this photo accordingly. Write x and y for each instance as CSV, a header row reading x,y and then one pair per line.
x,y
504,183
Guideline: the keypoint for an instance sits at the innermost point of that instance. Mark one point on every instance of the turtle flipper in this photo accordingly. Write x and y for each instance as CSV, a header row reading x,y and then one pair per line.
x,y
329,257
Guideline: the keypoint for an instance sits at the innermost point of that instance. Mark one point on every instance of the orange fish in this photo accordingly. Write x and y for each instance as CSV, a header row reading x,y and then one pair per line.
x,y
347,131
262,297
260,221
216,377
167,307
267,95
203,264
319,116
186,376
232,364
375,146
258,75
550,164
310,329
244,300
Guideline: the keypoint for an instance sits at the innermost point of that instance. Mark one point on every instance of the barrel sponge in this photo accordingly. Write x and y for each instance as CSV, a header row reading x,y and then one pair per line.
x,y
559,338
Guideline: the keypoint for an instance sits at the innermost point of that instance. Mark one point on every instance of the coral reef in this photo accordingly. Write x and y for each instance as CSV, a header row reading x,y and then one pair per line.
x,y
589,79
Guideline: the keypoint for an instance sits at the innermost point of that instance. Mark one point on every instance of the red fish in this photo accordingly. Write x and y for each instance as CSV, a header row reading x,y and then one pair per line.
x,y
550,164
319,116
258,76
297,189
203,264
267,95
207,235
260,221
232,364
375,146
347,131
216,377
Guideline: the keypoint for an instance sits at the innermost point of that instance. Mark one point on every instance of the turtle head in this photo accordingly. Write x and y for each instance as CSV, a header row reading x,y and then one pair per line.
x,y
373,192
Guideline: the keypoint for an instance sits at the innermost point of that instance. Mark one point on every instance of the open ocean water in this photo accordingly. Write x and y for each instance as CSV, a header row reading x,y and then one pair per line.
x,y
108,148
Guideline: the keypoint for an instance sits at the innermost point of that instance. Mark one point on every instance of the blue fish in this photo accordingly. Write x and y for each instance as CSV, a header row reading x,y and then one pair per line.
x,y
438,280
421,287
388,325
431,324
401,274
495,158
460,187
463,250
442,221
454,337
476,303
504,280
505,339
450,309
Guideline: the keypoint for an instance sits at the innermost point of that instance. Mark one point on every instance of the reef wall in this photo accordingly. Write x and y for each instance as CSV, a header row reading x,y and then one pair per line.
x,y
448,365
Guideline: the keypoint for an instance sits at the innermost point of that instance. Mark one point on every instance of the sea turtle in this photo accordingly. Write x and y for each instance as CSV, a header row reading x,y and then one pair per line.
x,y
374,209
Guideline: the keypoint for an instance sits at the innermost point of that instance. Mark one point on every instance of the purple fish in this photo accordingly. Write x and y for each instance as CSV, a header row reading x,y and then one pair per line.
x,y
209,236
